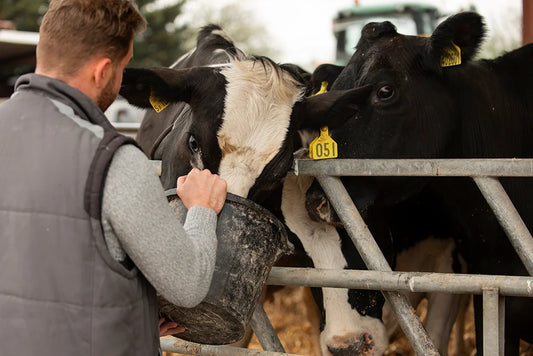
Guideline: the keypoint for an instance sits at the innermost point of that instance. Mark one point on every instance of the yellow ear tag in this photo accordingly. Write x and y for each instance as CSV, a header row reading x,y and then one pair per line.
x,y
323,146
323,88
157,103
451,56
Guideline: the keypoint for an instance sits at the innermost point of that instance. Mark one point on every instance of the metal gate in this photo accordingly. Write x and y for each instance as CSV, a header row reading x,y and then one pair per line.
x,y
494,289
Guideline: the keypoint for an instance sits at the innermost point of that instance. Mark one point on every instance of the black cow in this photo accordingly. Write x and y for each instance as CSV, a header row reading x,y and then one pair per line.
x,y
422,247
429,99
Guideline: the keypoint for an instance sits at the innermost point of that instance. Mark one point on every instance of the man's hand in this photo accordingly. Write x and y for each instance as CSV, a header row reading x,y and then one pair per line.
x,y
169,328
202,188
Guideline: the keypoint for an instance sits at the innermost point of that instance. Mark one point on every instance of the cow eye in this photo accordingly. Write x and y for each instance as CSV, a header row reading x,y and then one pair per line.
x,y
385,92
193,144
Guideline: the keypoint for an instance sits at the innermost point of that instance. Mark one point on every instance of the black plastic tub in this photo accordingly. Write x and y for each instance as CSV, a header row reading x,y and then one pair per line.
x,y
250,240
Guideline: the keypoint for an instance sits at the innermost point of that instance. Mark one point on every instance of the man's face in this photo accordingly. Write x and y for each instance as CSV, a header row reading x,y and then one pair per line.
x,y
110,91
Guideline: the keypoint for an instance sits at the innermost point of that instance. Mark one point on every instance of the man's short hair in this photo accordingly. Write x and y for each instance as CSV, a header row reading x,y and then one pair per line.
x,y
74,31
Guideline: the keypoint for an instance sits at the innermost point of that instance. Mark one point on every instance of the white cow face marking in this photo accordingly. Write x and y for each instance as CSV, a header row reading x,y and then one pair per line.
x,y
257,112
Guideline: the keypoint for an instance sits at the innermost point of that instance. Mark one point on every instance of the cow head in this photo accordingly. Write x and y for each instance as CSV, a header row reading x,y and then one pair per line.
x,y
410,97
411,111
242,119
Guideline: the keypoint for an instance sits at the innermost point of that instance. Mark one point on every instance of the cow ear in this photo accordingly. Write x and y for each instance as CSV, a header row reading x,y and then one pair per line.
x,y
325,73
456,40
162,84
330,109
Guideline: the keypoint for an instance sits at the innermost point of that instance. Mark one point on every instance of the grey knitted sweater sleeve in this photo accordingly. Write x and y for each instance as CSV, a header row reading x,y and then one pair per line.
x,y
177,260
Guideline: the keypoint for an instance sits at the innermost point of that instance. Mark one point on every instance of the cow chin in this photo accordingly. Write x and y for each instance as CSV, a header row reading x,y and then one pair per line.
x,y
238,184
371,342
239,174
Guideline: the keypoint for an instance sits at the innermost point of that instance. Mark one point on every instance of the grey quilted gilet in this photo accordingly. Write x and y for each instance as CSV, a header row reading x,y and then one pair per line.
x,y
61,293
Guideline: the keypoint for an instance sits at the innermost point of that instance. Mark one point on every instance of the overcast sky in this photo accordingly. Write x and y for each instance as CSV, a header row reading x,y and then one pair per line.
x,y
302,33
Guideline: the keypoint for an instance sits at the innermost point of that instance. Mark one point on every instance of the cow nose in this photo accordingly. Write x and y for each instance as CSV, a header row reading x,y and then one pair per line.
x,y
319,208
352,346
316,204
375,30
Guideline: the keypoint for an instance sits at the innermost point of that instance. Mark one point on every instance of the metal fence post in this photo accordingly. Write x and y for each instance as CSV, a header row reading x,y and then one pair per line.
x,y
493,322
264,331
374,259
509,219
190,348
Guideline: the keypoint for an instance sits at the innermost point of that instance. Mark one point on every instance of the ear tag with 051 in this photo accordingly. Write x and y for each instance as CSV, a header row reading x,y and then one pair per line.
x,y
323,146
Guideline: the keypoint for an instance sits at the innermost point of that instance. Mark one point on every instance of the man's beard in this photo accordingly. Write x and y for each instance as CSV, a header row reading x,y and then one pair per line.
x,y
107,96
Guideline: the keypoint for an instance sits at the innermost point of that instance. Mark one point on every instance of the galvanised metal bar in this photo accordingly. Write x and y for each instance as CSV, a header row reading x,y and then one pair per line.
x,y
493,323
353,223
264,331
401,281
374,259
415,167
191,348
509,219
411,324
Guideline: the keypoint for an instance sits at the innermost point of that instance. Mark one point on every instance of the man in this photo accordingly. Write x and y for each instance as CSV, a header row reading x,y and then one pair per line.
x,y
86,234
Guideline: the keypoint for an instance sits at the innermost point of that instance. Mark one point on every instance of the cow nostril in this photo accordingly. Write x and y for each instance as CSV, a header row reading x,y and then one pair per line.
x,y
324,204
368,341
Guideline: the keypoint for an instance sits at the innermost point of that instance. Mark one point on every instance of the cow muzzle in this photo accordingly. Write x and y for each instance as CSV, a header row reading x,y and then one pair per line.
x,y
352,345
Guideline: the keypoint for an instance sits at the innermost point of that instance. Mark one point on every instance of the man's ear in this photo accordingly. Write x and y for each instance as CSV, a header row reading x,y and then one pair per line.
x,y
102,72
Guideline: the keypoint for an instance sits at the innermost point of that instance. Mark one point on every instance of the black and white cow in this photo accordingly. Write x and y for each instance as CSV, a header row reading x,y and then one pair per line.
x,y
352,322
235,115
429,99
239,116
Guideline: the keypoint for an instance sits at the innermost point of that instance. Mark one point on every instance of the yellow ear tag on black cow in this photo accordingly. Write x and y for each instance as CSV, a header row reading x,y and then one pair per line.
x,y
451,56
323,88
323,146
157,103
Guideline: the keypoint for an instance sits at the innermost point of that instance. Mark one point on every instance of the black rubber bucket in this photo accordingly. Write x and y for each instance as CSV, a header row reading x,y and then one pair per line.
x,y
250,240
